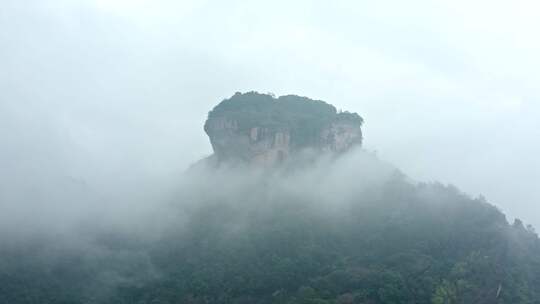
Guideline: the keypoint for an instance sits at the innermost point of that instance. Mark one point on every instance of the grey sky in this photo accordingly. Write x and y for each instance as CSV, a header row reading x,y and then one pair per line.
x,y
96,91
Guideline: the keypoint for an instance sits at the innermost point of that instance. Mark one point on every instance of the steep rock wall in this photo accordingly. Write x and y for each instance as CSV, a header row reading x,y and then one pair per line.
x,y
272,138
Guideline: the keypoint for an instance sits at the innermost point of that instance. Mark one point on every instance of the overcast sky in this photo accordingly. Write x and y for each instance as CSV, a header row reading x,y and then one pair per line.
x,y
101,92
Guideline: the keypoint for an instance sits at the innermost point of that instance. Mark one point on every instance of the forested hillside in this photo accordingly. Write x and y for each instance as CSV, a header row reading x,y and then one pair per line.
x,y
274,239
326,228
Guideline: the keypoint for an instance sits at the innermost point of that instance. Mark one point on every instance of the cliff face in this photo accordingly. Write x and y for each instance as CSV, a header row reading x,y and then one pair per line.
x,y
261,129
257,144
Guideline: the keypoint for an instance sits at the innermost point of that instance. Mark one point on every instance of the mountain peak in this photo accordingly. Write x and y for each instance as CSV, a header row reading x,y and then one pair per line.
x,y
262,129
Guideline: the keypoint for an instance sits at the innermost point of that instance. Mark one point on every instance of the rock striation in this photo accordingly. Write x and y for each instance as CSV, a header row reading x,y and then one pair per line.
x,y
259,128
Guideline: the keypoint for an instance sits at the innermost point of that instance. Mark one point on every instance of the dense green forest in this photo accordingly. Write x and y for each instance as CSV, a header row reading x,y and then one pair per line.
x,y
352,230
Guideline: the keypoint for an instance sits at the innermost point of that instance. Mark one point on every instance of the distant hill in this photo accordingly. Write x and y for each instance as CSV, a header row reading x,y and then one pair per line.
x,y
343,228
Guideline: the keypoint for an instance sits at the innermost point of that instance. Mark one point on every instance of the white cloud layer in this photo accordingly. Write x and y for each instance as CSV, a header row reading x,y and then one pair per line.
x,y
448,89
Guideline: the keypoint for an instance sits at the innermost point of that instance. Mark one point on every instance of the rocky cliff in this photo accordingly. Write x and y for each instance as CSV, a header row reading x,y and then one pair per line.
x,y
262,129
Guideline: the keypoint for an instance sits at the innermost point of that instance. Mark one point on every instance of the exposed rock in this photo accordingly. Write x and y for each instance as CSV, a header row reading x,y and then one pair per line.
x,y
258,128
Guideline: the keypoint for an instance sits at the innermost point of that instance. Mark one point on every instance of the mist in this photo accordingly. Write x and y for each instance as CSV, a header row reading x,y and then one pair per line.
x,y
98,234
107,98
102,187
